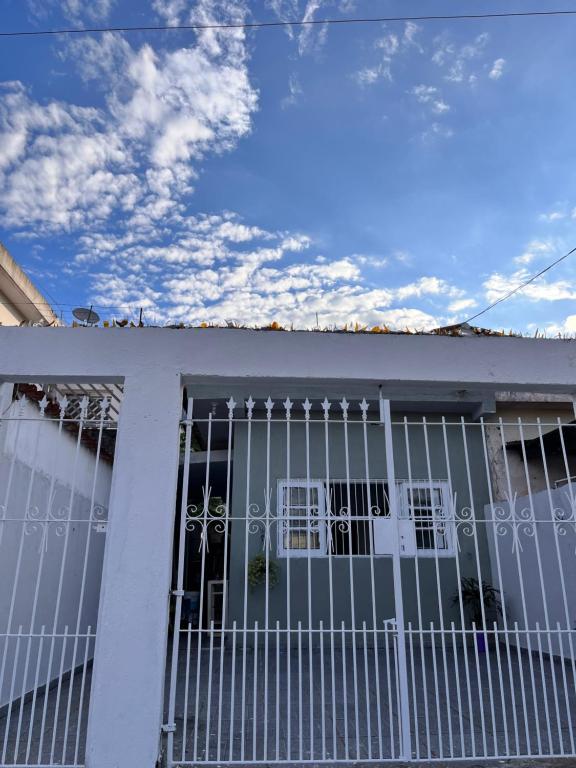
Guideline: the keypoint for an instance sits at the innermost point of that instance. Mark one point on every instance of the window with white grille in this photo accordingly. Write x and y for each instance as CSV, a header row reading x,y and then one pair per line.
x,y
426,505
319,519
341,518
302,516
353,504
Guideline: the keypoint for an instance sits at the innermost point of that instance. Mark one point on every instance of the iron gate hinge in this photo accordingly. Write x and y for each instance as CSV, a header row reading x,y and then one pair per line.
x,y
177,592
169,728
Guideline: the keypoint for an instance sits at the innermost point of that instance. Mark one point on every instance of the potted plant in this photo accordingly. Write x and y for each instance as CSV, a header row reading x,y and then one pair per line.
x,y
257,569
476,597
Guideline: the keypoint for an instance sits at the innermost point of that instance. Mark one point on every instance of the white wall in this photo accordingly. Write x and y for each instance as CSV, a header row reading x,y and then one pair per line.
x,y
533,557
45,475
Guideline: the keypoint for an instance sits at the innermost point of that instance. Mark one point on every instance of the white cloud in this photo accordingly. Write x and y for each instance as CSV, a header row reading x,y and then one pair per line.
x,y
497,69
64,166
565,328
76,11
461,304
458,61
388,47
218,268
556,215
534,250
497,285
294,92
430,95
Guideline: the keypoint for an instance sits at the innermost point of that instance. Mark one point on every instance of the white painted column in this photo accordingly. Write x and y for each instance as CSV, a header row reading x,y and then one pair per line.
x,y
128,677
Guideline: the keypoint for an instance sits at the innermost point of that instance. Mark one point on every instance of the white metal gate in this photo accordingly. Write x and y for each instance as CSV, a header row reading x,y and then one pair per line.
x,y
56,451
355,587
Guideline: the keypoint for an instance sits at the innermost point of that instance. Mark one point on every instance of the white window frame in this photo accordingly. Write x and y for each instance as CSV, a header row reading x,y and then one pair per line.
x,y
404,486
318,485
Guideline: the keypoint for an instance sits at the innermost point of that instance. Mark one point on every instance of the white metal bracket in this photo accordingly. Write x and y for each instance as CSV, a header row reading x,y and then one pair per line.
x,y
169,728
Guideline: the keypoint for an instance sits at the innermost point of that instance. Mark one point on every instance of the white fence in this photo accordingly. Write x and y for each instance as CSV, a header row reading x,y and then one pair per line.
x,y
350,588
55,473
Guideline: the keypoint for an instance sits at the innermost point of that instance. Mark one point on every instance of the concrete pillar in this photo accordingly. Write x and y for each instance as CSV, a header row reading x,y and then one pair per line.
x,y
128,676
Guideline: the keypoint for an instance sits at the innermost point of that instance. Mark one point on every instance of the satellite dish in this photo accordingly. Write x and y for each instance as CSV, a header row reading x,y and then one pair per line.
x,y
85,315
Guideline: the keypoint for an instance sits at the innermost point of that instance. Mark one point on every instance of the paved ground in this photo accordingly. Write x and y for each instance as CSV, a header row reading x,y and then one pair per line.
x,y
308,705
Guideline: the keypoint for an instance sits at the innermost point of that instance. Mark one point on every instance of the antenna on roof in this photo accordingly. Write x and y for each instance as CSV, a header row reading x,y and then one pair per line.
x,y
86,316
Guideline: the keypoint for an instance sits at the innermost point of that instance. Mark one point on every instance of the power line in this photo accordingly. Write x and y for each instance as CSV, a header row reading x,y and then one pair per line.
x,y
519,288
290,23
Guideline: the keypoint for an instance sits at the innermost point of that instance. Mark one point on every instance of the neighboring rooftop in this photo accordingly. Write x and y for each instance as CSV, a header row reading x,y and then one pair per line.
x,y
21,303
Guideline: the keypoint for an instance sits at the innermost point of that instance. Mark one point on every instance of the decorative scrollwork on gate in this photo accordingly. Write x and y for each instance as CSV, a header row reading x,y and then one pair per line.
x,y
40,520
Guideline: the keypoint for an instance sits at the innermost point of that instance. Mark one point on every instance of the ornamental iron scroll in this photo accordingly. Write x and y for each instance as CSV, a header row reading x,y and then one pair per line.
x,y
514,518
37,520
209,516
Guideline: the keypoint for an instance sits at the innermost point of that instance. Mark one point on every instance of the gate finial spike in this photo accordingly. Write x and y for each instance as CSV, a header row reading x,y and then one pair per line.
x,y
269,404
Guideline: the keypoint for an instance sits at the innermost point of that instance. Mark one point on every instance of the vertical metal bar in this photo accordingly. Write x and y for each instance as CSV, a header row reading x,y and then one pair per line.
x,y
278,673
435,524
209,693
58,693
186,687
458,692
35,694
436,690
344,406
322,690
405,741
255,694
300,713
410,634
522,686
232,693
503,602
179,587
460,601
364,409
481,589
309,529
345,692
286,528
82,693
418,600
367,693
329,531
12,688
267,543
391,676
204,547
227,533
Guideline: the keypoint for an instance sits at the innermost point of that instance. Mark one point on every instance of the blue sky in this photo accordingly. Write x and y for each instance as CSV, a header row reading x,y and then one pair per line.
x,y
399,174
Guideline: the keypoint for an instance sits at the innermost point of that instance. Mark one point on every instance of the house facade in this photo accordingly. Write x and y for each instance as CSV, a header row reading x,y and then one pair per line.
x,y
311,547
20,300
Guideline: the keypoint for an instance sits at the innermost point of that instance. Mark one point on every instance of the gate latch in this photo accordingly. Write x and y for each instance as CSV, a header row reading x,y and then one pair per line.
x,y
169,728
177,592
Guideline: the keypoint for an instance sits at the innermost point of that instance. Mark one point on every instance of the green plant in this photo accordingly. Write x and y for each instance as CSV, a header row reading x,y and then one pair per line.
x,y
257,571
473,598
